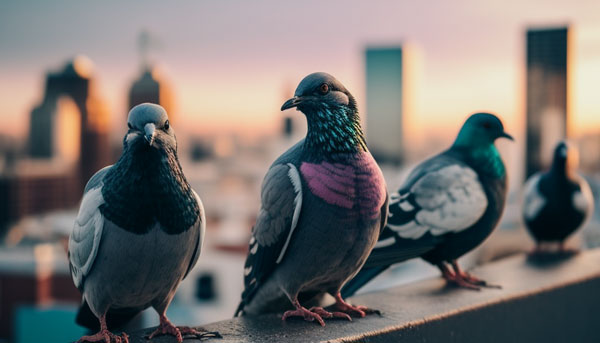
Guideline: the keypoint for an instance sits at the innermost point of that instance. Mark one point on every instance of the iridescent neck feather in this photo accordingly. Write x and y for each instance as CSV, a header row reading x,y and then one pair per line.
x,y
333,130
487,159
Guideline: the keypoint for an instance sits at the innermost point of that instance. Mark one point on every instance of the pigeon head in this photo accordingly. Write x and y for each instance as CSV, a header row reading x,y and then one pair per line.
x,y
331,113
149,128
566,158
480,130
319,91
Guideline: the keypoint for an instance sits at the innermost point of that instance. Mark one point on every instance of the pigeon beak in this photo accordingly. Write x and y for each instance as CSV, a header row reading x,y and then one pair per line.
x,y
149,132
293,102
506,135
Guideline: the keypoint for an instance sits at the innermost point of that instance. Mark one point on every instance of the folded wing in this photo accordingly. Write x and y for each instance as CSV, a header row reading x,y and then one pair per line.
x,y
281,203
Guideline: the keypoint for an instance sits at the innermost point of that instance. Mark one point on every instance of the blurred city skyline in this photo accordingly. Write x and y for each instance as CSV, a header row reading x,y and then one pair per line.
x,y
222,70
231,63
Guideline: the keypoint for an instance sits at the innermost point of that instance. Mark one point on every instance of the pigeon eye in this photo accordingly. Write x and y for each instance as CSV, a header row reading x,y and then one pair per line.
x,y
167,125
324,88
487,125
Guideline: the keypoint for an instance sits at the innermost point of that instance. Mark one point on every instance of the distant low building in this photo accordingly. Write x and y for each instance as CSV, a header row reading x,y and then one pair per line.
x,y
33,187
37,278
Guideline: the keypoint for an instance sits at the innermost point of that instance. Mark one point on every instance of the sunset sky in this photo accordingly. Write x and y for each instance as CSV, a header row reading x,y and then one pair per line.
x,y
232,62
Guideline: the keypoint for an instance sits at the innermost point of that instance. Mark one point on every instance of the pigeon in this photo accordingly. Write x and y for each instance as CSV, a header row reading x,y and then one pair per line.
x,y
323,206
138,232
557,202
447,206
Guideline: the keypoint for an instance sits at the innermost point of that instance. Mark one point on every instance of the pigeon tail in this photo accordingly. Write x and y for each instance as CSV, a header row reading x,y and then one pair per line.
x,y
239,310
114,319
362,278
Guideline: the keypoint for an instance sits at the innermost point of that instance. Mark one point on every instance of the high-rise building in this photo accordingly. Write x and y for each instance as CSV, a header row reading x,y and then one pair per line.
x,y
71,123
387,101
150,87
547,94
67,144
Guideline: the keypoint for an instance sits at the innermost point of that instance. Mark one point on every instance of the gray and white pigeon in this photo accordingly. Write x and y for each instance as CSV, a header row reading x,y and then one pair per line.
x,y
323,205
447,206
138,232
557,202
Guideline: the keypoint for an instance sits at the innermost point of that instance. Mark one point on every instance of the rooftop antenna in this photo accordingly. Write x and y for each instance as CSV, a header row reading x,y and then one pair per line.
x,y
146,42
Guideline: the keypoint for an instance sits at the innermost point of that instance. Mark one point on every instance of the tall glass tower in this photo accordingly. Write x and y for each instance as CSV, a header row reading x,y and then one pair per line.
x,y
547,88
385,86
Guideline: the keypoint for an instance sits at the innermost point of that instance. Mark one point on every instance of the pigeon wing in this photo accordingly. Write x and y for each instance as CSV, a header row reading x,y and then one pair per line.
x,y
583,199
533,200
441,196
281,203
446,199
385,208
97,179
200,225
87,230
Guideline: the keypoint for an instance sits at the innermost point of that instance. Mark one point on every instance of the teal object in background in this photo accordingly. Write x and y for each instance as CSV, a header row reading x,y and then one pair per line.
x,y
54,323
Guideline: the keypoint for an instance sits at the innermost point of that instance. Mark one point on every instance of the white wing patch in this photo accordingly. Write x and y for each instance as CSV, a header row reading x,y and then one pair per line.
x,y
451,200
584,199
406,206
533,201
385,242
297,183
411,230
86,234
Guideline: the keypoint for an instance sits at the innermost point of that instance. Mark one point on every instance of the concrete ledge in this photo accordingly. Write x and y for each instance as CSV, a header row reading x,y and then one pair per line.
x,y
552,302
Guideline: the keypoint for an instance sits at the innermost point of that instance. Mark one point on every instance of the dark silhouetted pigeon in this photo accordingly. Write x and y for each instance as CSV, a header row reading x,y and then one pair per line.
x,y
324,203
557,202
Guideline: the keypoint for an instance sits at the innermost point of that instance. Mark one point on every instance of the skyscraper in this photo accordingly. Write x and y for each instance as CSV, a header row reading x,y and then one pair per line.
x,y
547,90
387,101
70,98
68,143
150,86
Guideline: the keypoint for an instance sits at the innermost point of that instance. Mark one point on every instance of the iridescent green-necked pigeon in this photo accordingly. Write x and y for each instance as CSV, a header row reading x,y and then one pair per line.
x,y
446,207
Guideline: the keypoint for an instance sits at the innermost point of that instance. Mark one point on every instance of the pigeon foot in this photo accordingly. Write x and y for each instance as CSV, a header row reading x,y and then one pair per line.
x,y
106,337
477,281
304,313
308,315
462,283
470,278
166,328
326,314
455,278
187,331
343,306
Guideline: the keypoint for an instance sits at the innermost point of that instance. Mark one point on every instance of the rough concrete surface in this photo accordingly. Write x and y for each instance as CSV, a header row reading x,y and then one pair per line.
x,y
555,301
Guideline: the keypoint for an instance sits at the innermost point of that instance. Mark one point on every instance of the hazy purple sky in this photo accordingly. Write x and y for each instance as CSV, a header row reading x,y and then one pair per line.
x,y
231,61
